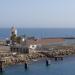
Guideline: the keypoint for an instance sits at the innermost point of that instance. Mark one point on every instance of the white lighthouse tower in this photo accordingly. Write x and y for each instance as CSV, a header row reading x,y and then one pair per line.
x,y
13,30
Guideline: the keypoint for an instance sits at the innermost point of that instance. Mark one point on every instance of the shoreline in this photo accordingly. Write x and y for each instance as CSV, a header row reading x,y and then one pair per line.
x,y
35,60
20,58
40,59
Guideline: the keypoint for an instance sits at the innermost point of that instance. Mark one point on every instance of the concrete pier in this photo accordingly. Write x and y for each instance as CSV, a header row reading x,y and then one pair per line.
x,y
58,58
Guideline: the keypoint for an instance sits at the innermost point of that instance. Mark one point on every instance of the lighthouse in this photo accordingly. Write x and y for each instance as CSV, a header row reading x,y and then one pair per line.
x,y
13,35
13,31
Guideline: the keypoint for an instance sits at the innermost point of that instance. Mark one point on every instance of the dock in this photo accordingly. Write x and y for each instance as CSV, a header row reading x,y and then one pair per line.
x,y
58,57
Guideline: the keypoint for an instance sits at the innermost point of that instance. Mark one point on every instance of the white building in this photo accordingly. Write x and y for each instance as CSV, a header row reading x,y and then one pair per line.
x,y
13,30
33,47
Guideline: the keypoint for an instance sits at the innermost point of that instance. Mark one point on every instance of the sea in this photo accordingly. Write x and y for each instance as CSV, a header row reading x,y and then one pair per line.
x,y
39,32
65,67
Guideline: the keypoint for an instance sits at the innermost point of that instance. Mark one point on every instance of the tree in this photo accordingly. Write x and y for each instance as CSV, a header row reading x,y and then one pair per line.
x,y
13,38
18,40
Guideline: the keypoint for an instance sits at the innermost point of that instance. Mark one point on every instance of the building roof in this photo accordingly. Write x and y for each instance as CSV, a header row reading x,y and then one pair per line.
x,y
44,41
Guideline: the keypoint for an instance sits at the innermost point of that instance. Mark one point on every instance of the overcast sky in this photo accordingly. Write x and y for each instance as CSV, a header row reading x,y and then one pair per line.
x,y
37,13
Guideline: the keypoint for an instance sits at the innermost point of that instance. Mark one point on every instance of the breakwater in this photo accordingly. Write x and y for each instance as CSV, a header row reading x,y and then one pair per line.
x,y
10,59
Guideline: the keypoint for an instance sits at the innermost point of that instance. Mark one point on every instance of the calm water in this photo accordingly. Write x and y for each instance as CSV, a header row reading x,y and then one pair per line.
x,y
65,67
39,32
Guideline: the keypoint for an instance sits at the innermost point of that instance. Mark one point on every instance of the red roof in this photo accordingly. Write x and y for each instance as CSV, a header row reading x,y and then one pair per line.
x,y
44,41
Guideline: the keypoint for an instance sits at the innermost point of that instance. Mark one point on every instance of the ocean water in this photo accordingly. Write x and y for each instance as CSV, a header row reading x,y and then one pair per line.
x,y
65,67
39,32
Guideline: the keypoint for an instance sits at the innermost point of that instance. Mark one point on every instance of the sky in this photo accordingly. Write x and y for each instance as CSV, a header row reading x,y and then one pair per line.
x,y
37,13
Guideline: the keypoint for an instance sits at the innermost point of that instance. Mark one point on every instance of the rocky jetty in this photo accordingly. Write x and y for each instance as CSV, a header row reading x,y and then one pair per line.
x,y
10,59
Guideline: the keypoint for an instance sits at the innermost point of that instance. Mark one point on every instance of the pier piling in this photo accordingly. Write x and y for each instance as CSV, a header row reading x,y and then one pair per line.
x,y
55,58
1,68
47,62
58,58
26,66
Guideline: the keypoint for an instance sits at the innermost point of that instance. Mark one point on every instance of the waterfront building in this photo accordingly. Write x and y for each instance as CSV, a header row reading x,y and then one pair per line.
x,y
19,49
